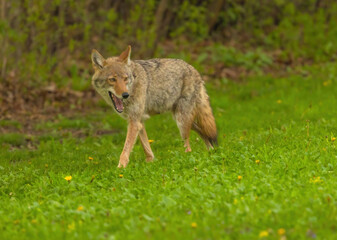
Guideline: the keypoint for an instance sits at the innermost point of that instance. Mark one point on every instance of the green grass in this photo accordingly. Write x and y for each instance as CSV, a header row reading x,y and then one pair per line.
x,y
288,124
12,139
9,123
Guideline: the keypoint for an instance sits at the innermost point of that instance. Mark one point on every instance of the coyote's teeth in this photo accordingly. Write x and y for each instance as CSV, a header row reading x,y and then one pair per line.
x,y
118,103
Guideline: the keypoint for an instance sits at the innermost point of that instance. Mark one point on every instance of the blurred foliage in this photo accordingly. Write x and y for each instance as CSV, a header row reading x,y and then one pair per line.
x,y
52,40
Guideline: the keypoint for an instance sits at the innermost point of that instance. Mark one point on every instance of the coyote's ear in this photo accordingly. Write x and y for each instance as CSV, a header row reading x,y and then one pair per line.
x,y
125,56
97,59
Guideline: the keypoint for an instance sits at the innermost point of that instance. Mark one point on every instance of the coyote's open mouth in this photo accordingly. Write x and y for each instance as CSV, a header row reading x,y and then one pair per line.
x,y
118,103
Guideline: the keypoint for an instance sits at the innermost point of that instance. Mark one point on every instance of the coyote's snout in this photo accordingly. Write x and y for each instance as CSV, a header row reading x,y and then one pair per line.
x,y
141,88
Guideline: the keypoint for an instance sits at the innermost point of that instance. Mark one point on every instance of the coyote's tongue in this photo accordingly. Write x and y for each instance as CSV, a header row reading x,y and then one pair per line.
x,y
119,104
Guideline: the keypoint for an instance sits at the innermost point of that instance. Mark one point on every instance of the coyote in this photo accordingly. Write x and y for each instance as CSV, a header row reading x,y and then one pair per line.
x,y
141,88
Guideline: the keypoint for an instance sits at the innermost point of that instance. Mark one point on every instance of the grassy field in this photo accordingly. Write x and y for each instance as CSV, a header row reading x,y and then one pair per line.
x,y
273,175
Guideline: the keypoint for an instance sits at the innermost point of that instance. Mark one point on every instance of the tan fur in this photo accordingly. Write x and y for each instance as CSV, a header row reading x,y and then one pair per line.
x,y
146,145
154,86
204,122
133,129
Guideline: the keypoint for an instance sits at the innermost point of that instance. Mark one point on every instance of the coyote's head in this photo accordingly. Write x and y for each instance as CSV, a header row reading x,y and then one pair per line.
x,y
112,77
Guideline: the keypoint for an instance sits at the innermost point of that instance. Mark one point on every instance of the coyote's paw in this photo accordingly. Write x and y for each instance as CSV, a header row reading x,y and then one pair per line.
x,y
121,165
123,161
149,159
188,149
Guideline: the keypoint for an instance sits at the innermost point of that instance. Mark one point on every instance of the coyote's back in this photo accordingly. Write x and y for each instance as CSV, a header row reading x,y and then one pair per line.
x,y
168,80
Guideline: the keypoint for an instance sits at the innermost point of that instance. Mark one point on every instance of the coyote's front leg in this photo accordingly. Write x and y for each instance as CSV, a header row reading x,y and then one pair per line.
x,y
133,129
145,143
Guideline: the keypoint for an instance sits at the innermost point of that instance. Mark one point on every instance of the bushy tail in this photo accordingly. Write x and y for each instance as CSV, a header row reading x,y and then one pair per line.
x,y
204,123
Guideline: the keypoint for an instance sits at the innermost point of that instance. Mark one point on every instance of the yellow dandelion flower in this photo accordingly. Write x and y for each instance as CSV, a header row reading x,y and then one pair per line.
x,y
281,231
151,141
263,234
239,178
90,158
46,165
68,178
80,208
257,161
17,221
324,149
279,101
121,175
71,226
34,221
235,201
194,225
333,139
316,180
326,83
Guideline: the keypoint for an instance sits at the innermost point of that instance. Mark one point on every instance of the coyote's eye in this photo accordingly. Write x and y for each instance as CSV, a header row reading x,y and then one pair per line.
x,y
111,80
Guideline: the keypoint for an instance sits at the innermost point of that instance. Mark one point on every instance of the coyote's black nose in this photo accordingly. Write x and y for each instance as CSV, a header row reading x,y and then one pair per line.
x,y
125,95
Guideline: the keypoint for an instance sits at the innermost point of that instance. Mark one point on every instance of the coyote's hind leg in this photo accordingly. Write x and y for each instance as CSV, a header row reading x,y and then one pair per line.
x,y
184,118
